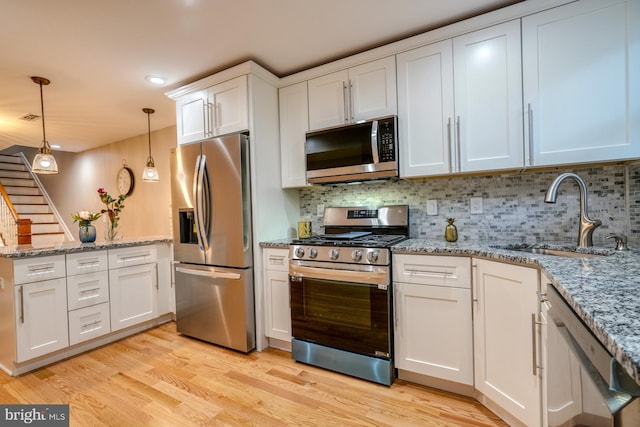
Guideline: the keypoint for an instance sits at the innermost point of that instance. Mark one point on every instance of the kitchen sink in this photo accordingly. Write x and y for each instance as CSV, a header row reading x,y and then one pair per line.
x,y
569,253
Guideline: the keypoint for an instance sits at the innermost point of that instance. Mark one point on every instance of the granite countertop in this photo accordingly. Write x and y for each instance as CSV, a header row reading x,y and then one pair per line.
x,y
604,291
23,251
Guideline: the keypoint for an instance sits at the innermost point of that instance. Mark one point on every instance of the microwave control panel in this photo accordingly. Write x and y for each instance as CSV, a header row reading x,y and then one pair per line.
x,y
387,140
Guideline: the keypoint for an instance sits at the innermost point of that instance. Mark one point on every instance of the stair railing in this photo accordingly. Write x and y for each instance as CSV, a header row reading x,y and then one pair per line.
x,y
54,210
15,230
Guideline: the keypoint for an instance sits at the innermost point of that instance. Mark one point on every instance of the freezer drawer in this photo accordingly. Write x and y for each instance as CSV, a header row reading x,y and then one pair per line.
x,y
216,305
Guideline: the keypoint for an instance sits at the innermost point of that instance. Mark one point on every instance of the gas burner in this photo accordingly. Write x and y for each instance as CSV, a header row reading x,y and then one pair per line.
x,y
370,240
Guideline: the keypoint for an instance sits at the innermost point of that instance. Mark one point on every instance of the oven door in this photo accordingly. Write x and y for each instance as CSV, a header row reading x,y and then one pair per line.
x,y
347,307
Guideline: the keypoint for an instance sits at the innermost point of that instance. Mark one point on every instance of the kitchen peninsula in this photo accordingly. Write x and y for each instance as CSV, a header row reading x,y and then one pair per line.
x,y
59,300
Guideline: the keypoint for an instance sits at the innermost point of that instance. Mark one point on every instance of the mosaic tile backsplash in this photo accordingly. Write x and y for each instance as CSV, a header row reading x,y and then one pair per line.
x,y
512,204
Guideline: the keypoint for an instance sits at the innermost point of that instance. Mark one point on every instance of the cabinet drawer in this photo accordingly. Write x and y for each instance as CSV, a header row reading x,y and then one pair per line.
x,y
89,289
125,257
38,269
89,322
86,262
276,259
432,270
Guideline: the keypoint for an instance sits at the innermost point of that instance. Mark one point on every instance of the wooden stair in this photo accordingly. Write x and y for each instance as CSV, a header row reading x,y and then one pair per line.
x,y
29,201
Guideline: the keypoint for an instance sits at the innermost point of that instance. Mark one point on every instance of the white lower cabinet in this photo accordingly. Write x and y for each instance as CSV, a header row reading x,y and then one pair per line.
x,y
433,333
276,290
133,294
41,318
506,340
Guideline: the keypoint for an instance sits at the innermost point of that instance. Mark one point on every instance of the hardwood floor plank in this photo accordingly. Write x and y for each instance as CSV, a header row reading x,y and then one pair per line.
x,y
161,378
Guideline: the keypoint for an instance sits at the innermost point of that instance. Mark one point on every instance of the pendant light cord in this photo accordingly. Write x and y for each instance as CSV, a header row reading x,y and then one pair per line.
x,y
44,135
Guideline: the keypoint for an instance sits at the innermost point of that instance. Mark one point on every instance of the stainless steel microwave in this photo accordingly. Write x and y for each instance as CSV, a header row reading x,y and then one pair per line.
x,y
355,152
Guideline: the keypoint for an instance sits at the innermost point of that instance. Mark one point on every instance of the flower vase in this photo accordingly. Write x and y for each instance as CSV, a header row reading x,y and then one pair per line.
x,y
110,231
87,233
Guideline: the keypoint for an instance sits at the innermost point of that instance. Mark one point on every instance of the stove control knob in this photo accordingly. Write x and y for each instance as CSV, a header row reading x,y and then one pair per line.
x,y
356,255
372,256
299,252
313,253
334,253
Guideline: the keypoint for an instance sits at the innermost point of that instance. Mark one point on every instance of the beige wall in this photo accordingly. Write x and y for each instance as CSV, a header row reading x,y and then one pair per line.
x,y
147,210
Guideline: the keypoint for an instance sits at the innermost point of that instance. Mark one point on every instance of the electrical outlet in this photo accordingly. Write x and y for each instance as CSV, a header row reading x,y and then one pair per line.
x,y
319,210
475,205
432,207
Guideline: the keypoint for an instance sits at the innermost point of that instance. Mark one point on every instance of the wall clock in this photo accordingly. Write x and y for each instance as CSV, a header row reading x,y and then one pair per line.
x,y
125,180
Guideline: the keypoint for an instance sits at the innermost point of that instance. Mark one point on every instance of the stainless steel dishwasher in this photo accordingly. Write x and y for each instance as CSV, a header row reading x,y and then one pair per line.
x,y
585,384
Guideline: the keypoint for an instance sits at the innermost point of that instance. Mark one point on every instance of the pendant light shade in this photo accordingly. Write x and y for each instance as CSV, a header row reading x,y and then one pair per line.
x,y
43,162
150,173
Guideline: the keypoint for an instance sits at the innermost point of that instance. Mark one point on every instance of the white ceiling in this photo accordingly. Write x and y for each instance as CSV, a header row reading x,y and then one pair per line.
x,y
97,53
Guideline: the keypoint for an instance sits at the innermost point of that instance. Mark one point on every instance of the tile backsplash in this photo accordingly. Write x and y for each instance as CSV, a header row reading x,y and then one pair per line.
x,y
513,205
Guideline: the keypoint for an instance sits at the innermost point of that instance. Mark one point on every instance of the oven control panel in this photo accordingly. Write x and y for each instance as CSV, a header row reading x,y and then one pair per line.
x,y
342,254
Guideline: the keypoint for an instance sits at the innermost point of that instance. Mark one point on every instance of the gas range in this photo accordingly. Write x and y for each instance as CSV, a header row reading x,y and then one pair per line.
x,y
355,236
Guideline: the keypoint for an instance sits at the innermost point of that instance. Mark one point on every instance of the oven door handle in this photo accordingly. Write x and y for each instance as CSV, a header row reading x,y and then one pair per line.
x,y
375,277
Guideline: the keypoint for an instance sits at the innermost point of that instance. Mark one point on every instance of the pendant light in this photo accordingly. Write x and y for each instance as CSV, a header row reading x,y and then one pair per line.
x,y
43,162
150,173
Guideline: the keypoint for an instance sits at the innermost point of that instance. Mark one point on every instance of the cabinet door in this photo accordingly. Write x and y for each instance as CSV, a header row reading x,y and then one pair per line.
x,y
328,100
506,337
192,120
294,123
229,106
434,331
372,89
133,295
425,109
41,318
276,289
581,82
488,98
277,305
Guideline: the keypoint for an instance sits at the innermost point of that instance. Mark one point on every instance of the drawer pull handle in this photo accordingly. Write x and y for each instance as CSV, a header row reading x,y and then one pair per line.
x,y
41,268
276,260
135,257
95,322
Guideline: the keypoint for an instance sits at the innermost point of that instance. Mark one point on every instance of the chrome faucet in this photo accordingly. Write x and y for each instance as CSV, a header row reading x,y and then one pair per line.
x,y
585,230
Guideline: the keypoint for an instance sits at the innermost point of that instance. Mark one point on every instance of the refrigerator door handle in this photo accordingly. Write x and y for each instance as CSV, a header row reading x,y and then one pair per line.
x,y
198,193
209,273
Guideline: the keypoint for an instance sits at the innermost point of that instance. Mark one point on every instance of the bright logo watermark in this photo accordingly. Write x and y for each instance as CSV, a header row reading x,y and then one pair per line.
x,y
34,415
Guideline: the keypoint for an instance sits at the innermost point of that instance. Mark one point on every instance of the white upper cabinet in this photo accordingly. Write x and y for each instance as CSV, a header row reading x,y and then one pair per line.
x,y
425,109
218,110
581,65
294,123
191,117
359,93
229,106
460,104
488,98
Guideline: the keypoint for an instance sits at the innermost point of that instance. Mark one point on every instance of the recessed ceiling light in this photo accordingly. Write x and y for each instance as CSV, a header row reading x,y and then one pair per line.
x,y
156,80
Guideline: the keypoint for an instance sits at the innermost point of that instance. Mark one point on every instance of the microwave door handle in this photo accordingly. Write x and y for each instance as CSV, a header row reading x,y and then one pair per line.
x,y
374,142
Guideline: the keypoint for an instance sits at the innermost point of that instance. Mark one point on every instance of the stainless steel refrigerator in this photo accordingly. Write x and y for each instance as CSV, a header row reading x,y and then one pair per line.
x,y
213,265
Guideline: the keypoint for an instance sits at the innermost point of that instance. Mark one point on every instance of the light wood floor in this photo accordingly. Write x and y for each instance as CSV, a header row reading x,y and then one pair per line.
x,y
161,378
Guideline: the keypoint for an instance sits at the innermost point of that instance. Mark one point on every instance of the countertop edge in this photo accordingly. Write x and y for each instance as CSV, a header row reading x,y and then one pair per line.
x,y
26,251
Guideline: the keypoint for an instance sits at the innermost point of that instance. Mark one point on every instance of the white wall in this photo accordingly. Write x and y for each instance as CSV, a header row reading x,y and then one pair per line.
x,y
147,211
